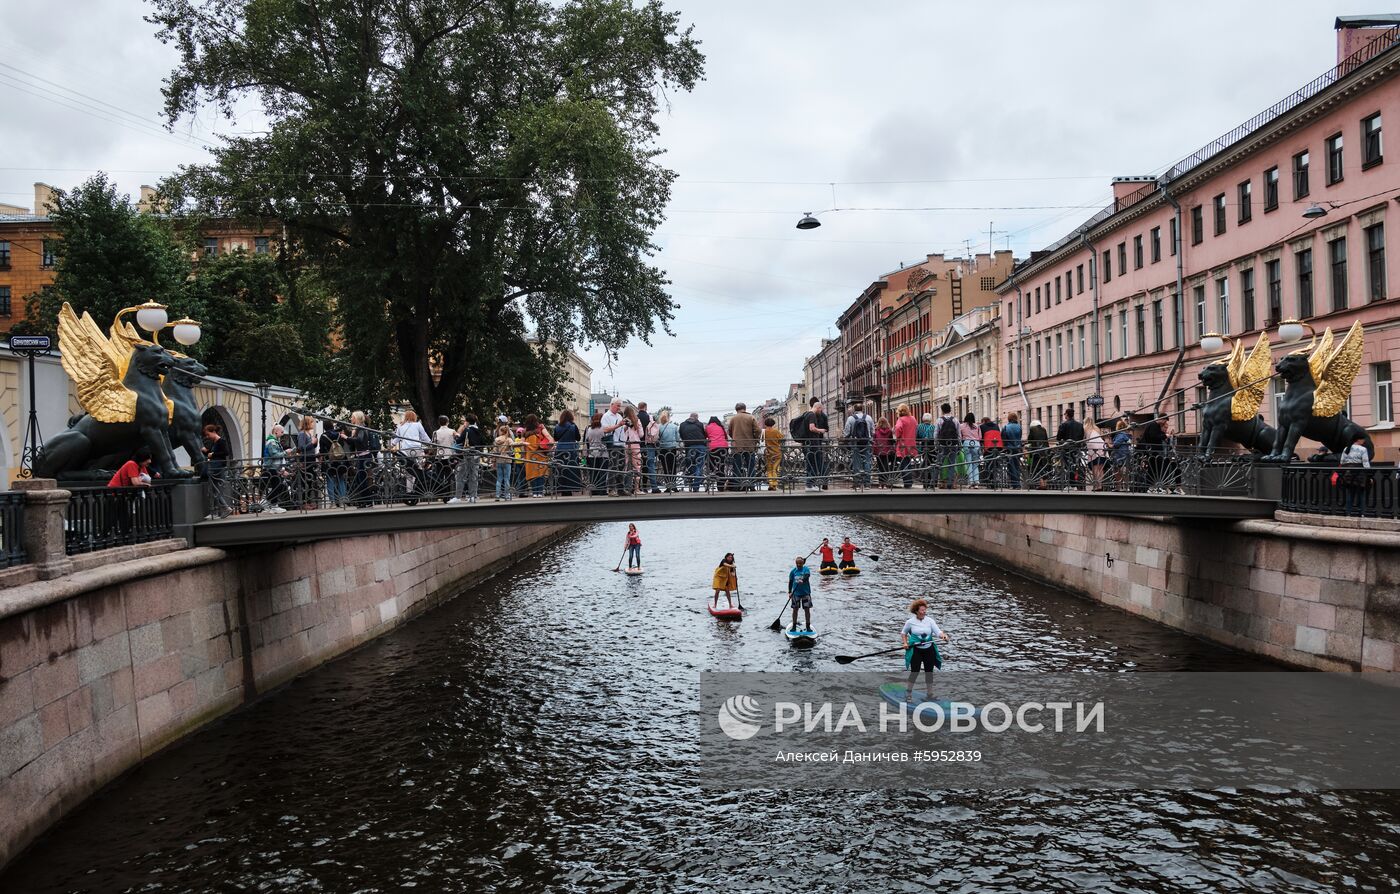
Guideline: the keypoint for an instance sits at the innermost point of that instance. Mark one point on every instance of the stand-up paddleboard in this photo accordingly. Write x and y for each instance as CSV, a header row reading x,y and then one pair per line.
x,y
724,614
850,569
926,710
801,639
634,571
830,569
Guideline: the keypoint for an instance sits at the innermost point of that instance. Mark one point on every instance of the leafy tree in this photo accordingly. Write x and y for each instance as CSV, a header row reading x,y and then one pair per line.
x,y
108,256
456,169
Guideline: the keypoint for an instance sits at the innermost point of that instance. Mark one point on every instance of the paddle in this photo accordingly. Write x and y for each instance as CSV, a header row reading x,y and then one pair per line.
x,y
778,622
619,560
847,659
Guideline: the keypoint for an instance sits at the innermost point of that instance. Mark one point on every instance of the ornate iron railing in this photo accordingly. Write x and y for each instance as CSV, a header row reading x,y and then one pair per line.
x,y
389,479
1341,490
12,529
103,517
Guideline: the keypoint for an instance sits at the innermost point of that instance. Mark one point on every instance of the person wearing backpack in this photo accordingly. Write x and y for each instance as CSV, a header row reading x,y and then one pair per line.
x,y
992,450
1011,440
333,457
859,434
927,435
948,445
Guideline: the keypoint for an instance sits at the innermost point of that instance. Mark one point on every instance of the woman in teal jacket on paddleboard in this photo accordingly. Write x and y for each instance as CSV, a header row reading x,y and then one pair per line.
x,y
920,651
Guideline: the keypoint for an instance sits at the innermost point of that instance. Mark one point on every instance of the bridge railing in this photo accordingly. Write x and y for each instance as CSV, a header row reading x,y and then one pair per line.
x,y
12,550
390,478
103,517
1324,489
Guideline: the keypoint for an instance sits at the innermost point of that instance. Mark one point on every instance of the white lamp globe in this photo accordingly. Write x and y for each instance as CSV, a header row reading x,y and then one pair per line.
x,y
187,332
1290,331
1211,342
151,316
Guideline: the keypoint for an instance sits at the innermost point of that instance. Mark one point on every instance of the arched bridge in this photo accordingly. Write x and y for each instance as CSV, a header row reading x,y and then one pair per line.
x,y
256,503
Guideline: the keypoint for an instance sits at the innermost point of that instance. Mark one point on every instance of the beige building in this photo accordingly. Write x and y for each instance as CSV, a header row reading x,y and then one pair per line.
x,y
964,363
577,384
822,373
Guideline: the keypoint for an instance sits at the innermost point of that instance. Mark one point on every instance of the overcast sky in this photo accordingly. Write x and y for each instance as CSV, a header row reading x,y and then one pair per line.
x,y
1022,111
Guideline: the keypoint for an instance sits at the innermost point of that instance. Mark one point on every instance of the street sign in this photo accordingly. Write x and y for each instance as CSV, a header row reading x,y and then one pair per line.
x,y
30,343
1094,400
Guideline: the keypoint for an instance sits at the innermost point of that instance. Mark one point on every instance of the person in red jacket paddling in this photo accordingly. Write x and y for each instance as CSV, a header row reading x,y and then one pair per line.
x,y
828,556
848,553
634,547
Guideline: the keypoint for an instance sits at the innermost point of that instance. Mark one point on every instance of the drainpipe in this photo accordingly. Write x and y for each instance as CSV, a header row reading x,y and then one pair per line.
x,y
1181,299
1098,278
1020,346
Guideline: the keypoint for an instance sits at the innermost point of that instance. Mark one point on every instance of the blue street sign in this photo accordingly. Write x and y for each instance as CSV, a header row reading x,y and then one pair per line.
x,y
30,343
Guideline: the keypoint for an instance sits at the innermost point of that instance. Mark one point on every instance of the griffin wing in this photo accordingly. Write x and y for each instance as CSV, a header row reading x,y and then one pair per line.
x,y
1253,379
91,362
124,339
1235,363
1333,376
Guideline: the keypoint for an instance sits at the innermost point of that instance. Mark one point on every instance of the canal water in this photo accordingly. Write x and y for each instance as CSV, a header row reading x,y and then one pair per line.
x,y
539,733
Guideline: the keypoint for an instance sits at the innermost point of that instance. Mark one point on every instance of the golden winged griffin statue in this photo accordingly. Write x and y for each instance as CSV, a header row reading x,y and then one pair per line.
x,y
130,399
1313,405
1234,391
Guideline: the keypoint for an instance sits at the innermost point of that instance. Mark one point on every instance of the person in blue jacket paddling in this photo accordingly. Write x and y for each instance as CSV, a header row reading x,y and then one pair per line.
x,y
920,651
800,591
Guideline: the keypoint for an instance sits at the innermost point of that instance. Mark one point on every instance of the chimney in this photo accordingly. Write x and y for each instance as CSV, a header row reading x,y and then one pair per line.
x,y
146,204
1355,32
1126,186
43,198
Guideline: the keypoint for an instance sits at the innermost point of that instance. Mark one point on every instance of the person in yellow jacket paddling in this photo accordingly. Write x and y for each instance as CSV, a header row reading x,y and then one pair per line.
x,y
727,579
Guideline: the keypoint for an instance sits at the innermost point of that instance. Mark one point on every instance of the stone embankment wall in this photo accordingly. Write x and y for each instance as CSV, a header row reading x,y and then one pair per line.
x,y
1306,595
101,668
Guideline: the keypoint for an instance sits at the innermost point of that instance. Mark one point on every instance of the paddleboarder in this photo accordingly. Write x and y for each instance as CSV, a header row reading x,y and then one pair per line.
x,y
920,651
828,565
727,579
634,548
800,591
848,553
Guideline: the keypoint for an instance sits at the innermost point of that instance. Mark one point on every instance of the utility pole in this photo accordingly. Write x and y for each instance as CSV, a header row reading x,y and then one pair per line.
x,y
991,247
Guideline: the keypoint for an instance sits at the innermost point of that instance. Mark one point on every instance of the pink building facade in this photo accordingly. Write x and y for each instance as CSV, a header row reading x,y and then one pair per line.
x,y
1220,244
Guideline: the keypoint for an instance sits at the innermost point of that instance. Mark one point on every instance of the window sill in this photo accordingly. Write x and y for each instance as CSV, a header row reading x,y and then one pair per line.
x,y
1381,426
1335,182
1375,162
1268,208
1242,221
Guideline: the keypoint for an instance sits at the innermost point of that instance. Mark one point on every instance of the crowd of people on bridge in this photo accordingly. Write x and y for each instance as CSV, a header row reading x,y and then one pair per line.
x,y
625,450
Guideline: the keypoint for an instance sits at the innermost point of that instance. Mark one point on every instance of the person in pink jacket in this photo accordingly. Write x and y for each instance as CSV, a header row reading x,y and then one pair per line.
x,y
906,445
718,443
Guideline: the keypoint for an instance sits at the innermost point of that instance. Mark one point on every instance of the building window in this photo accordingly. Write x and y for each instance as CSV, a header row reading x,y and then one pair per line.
x,y
1140,320
1370,141
1069,284
1083,344
1271,188
1108,337
1157,325
1199,293
1037,358
4,254
1305,302
1385,392
1244,193
1057,290
1069,343
211,247
260,246
1123,330
1300,175
1222,305
1178,320
1247,297
49,256
1107,266
1059,352
1333,145
1037,299
1375,262
1156,244
1123,257
1174,234
1079,278
1337,259
1273,272
1137,252
1198,225
1219,203
4,301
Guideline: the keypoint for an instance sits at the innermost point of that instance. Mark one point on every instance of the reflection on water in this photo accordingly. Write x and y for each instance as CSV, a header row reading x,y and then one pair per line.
x,y
539,733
